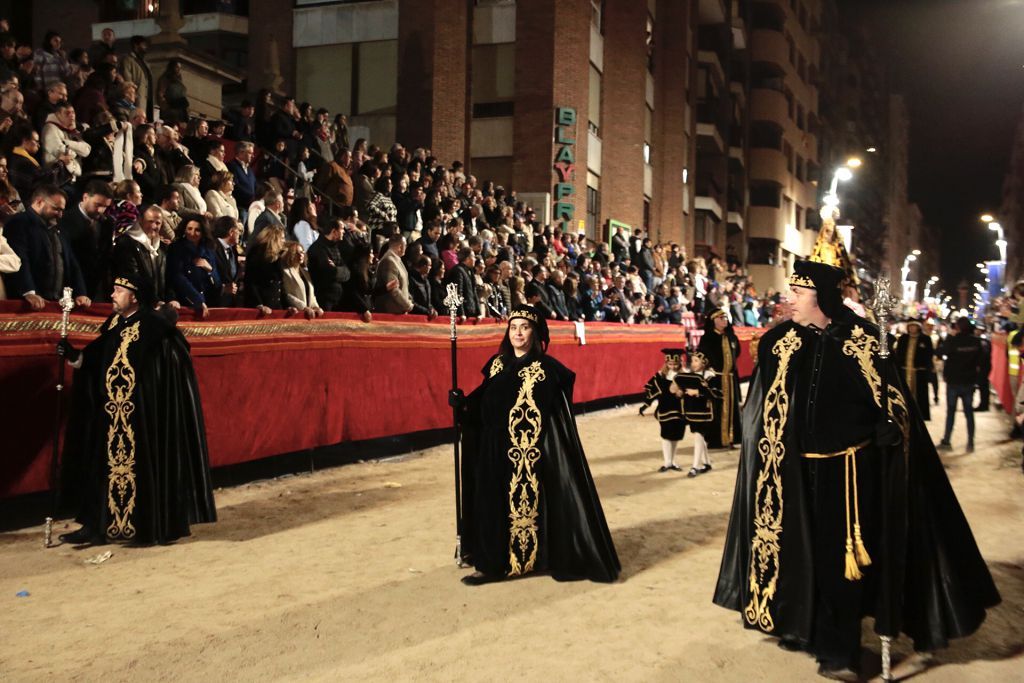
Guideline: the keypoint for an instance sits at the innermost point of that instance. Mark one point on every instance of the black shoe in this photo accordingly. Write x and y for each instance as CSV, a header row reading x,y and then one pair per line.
x,y
790,645
693,472
944,445
844,674
663,468
479,579
970,447
84,536
675,468
705,468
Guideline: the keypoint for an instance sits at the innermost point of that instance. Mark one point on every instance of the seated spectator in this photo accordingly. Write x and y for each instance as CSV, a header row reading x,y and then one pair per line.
x,y
245,178
273,215
220,200
190,270
56,93
48,264
123,105
51,62
213,163
227,232
327,266
302,223
264,270
140,255
10,200
125,210
299,293
171,155
187,183
168,200
63,146
447,247
10,262
23,165
393,296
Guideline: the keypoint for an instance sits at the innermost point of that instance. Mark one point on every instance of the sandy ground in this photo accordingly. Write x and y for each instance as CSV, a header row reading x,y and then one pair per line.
x,y
347,575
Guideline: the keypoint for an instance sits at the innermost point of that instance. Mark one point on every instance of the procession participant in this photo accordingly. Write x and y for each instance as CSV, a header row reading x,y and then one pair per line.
x,y
529,502
700,390
669,412
915,357
843,510
721,348
135,456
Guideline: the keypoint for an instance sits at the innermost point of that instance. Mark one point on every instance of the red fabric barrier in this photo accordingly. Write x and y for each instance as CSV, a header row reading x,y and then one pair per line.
x,y
281,384
999,377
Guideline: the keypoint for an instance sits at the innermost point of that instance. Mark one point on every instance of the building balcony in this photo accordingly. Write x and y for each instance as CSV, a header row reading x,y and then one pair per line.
x,y
736,219
769,46
710,132
207,22
768,164
711,12
767,222
737,154
710,59
768,105
709,204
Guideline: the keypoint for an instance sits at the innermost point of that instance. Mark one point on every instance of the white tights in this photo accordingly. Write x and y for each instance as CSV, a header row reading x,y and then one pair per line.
x,y
668,451
700,451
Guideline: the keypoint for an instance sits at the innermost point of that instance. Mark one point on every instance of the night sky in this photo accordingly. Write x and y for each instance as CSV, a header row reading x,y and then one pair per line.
x,y
960,64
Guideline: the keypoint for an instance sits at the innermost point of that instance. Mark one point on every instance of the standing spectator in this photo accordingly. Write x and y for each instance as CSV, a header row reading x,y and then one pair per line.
x,y
242,124
141,256
91,98
272,215
102,48
145,169
358,295
84,234
645,263
420,287
463,276
171,93
24,168
51,63
962,354
984,391
197,139
123,105
436,277
124,212
48,263
428,240
537,293
364,186
81,69
168,200
284,125
190,265
135,69
327,266
245,178
392,272
380,209
63,145
10,200
302,223
56,93
264,270
219,199
213,163
187,183
10,262
226,232
334,181
299,292
410,211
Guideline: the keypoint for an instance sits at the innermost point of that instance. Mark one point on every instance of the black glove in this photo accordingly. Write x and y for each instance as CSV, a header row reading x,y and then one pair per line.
x,y
68,352
888,434
642,409
456,399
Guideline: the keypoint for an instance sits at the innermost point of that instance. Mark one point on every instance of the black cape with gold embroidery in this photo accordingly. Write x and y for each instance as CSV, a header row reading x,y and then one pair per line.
x,y
529,502
135,463
928,579
722,350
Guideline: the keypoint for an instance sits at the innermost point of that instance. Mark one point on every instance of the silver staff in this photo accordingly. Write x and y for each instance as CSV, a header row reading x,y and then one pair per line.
x,y
67,302
453,301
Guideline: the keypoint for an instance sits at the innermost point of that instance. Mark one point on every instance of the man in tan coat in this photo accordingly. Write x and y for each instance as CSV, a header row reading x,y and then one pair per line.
x,y
394,299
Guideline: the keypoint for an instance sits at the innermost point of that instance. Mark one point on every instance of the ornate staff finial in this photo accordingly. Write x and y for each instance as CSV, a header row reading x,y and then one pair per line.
x,y
883,304
453,301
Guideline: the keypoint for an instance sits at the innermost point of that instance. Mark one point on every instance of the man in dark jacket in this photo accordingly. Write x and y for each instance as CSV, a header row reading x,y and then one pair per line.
x,y
462,275
81,228
140,256
227,231
420,287
537,294
48,264
428,240
556,294
963,356
327,266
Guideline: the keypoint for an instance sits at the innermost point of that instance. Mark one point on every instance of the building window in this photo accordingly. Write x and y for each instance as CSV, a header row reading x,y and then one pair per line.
x,y
765,135
649,41
648,131
762,251
593,210
597,15
594,102
765,194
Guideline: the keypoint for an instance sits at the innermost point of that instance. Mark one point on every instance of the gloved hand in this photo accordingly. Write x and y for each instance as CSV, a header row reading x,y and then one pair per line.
x,y
456,399
887,433
642,409
68,352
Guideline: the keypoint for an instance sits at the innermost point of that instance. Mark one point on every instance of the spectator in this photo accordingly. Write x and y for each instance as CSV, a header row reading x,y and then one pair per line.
x,y
10,262
273,215
380,209
364,186
197,139
264,270
63,146
141,256
134,69
334,181
106,141
395,296
227,231
213,163
420,287
463,276
284,126
168,200
299,293
51,62
48,263
190,265
91,98
103,47
187,183
90,241
962,354
145,170
171,93
56,93
242,124
125,210
358,295
245,178
327,266
256,208
220,200
123,105
10,199
23,165
428,241
171,155
537,293
302,223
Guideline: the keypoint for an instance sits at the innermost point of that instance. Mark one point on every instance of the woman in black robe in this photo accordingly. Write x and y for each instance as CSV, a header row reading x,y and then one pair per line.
x,y
915,356
720,349
529,502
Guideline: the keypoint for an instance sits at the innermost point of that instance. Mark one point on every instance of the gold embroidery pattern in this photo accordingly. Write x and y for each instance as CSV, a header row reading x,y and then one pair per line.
x,y
120,383
496,367
524,423
728,415
862,346
911,371
764,550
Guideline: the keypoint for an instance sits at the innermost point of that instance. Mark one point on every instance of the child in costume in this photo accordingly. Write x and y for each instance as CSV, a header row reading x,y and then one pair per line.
x,y
669,413
700,390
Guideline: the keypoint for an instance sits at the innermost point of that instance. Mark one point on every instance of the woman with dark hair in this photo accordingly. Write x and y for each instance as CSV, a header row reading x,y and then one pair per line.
x,y
357,296
437,290
529,503
264,270
171,93
302,225
380,209
190,270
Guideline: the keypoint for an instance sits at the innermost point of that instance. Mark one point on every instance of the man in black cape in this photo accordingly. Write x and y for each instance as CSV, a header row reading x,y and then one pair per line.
x,y
529,502
135,462
915,357
840,510
720,349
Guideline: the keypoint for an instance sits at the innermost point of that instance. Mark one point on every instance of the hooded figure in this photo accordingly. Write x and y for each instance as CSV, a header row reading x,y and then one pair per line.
x,y
720,348
842,508
529,502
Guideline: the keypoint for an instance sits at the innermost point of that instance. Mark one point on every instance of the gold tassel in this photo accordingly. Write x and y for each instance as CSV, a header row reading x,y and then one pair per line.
x,y
863,559
852,572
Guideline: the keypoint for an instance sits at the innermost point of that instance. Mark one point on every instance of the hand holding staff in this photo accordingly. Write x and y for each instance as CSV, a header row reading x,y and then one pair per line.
x,y
67,302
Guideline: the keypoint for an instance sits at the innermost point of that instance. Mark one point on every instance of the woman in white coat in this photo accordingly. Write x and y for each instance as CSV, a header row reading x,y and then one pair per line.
x,y
219,199
298,286
187,183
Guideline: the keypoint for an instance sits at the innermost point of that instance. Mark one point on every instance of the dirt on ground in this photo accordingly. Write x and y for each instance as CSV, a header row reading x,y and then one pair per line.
x,y
347,574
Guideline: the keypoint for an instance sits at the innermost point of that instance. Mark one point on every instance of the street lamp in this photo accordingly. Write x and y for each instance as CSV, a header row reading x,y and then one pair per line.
x,y
905,274
842,174
928,286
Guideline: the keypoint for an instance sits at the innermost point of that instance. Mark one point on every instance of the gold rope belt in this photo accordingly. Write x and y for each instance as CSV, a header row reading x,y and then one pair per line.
x,y
856,554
